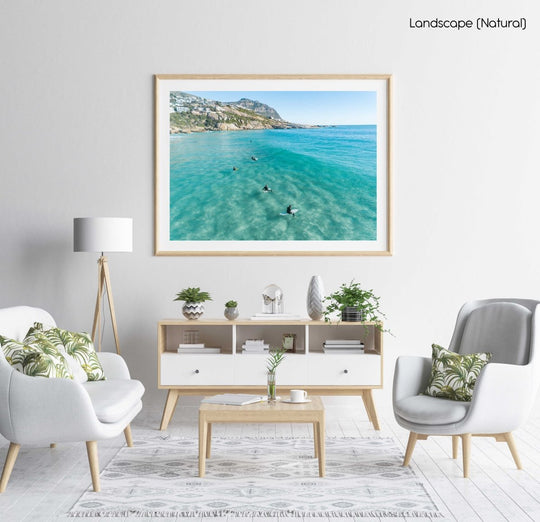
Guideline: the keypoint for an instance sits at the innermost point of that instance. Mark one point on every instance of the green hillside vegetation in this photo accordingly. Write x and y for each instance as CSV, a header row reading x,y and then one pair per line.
x,y
194,114
227,118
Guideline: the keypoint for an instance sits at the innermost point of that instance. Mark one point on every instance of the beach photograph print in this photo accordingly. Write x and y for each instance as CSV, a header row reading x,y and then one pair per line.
x,y
270,166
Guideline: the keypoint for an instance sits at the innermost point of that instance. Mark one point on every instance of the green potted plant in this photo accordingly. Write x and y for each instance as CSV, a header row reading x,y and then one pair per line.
x,y
193,302
275,358
353,303
231,310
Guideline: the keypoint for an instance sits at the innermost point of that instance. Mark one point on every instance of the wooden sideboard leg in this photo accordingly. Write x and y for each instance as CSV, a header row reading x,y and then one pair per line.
x,y
367,397
168,410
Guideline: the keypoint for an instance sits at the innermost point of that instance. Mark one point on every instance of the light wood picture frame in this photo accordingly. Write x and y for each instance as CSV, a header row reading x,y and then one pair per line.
x,y
273,165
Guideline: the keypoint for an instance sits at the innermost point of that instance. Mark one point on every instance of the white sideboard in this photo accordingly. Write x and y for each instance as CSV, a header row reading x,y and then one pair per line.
x,y
232,371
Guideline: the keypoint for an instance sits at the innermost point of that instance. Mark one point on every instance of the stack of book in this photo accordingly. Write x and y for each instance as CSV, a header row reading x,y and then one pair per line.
x,y
343,346
196,348
255,346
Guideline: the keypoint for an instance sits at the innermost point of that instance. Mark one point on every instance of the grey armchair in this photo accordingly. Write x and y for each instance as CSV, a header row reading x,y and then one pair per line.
x,y
505,390
38,410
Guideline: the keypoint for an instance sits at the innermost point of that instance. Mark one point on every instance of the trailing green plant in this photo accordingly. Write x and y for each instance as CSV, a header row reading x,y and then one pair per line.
x,y
275,358
192,295
231,304
352,294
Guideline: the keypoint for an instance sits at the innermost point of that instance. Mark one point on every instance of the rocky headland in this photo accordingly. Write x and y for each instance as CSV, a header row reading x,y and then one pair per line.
x,y
189,113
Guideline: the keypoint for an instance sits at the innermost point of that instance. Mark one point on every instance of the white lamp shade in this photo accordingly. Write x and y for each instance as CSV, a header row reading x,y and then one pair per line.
x,y
102,234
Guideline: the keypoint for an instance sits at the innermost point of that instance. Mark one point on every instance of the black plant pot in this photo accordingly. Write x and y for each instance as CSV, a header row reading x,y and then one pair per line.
x,y
351,314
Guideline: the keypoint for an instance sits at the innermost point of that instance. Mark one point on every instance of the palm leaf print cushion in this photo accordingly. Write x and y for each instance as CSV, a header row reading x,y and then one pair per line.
x,y
453,376
78,346
38,358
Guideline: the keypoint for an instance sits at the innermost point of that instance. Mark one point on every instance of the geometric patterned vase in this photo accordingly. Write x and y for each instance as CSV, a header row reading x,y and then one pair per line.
x,y
315,295
193,310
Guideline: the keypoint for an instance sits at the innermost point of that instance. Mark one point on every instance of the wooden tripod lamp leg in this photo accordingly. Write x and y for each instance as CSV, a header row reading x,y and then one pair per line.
x,y
107,277
104,280
97,311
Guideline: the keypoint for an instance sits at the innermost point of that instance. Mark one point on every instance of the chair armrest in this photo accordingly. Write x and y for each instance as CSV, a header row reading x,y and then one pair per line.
x,y
113,365
503,397
411,376
49,410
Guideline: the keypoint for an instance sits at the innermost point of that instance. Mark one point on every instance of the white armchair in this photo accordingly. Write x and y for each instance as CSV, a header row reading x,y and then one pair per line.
x,y
37,410
505,390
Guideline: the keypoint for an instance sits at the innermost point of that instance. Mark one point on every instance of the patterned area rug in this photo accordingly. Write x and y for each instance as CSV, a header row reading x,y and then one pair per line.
x,y
258,477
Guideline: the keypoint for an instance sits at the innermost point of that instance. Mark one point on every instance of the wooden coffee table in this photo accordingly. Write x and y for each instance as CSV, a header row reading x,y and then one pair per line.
x,y
310,412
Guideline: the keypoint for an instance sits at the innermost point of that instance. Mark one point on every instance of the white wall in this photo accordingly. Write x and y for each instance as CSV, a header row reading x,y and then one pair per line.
x,y
76,139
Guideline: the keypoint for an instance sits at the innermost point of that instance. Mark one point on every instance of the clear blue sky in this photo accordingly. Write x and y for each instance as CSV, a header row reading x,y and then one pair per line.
x,y
310,107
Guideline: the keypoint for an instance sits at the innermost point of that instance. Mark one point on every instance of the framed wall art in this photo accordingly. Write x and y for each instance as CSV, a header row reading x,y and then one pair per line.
x,y
273,165
289,342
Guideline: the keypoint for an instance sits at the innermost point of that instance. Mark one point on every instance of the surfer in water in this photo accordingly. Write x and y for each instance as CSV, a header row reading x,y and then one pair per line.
x,y
266,188
291,211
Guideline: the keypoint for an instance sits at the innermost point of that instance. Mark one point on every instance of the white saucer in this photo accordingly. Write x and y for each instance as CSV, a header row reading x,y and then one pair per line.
x,y
296,402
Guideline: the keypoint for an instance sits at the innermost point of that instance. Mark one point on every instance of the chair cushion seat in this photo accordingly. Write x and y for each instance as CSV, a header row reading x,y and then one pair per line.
x,y
422,409
113,398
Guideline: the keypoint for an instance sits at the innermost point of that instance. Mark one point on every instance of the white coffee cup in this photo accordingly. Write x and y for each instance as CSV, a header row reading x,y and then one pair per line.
x,y
298,395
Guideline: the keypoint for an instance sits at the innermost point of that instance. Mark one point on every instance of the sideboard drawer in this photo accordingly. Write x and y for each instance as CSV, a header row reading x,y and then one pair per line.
x,y
251,370
196,370
341,370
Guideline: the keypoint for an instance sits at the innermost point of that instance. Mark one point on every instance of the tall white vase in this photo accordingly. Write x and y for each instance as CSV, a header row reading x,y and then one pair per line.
x,y
315,295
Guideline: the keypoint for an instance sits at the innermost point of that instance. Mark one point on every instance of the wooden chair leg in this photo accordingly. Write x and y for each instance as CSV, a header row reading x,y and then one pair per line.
x,y
52,445
413,437
466,449
11,457
455,446
127,434
93,460
513,449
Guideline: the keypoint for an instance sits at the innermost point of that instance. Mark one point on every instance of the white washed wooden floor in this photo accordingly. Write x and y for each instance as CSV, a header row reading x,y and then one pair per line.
x,y
46,482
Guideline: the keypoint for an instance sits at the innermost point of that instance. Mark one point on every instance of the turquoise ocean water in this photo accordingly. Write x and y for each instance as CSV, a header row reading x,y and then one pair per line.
x,y
328,174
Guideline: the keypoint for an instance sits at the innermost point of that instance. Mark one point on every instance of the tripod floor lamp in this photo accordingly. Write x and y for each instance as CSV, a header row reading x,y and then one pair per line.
x,y
103,235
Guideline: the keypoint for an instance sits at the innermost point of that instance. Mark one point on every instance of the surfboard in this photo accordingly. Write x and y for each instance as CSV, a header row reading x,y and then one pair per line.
x,y
293,211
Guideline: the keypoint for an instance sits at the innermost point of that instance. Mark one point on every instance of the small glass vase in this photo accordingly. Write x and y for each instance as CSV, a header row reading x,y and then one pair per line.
x,y
271,386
